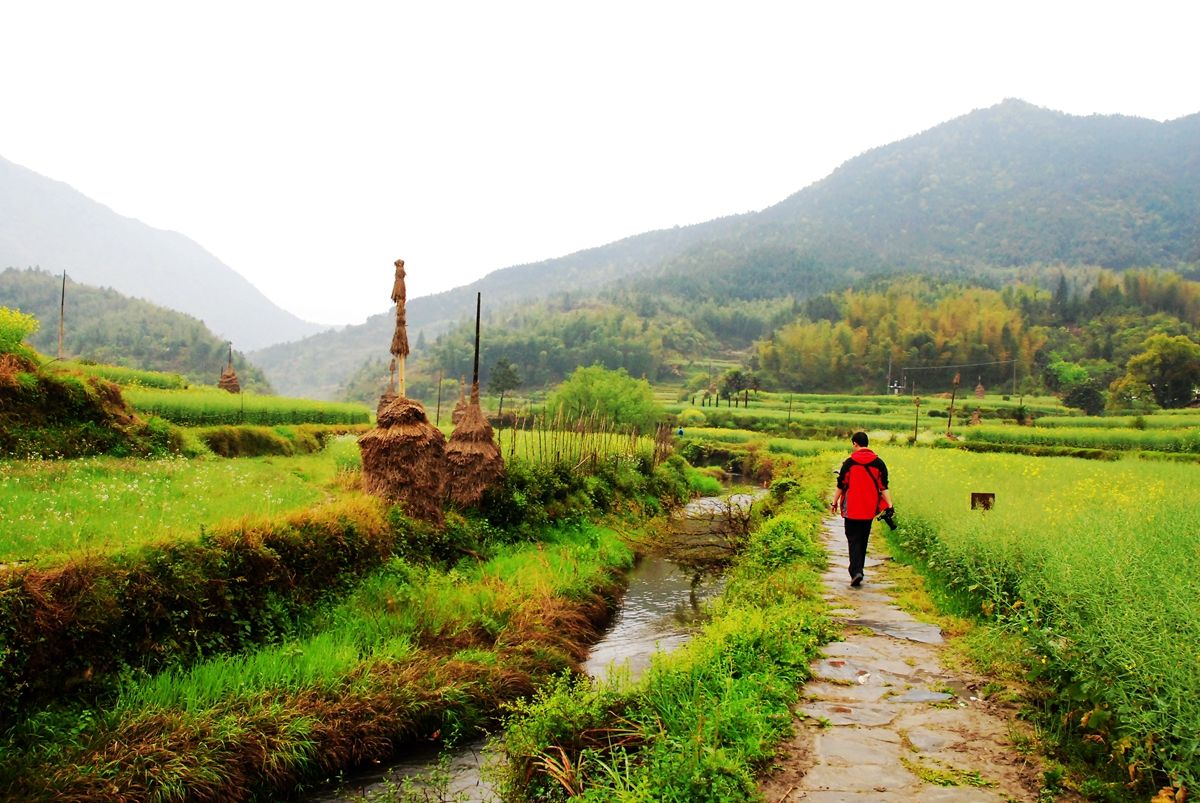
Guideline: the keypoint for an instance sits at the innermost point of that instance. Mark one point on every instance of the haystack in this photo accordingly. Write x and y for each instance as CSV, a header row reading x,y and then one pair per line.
x,y
472,456
403,457
229,378
404,460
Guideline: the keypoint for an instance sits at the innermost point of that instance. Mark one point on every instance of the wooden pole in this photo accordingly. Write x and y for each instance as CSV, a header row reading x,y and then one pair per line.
x,y
437,418
953,393
62,315
475,375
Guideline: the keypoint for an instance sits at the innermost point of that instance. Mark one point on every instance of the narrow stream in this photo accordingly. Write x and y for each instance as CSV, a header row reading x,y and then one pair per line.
x,y
659,611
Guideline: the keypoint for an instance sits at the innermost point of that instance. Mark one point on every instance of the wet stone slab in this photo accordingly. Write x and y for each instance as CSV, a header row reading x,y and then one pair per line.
x,y
843,693
840,670
857,747
922,696
927,740
843,713
910,630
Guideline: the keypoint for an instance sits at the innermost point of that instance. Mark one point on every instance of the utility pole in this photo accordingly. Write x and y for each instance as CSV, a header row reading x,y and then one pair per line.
x,y
888,387
1014,374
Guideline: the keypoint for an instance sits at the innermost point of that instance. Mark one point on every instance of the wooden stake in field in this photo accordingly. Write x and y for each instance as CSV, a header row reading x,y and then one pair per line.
x,y
62,315
472,455
953,394
229,378
404,456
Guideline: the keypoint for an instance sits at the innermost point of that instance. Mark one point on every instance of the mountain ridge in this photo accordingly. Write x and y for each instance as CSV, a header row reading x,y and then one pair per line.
x,y
48,224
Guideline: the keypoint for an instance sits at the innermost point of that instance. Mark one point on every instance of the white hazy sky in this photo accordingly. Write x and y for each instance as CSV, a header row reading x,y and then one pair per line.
x,y
308,145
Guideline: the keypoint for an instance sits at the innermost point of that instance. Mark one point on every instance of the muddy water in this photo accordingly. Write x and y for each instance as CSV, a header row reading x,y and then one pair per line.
x,y
659,611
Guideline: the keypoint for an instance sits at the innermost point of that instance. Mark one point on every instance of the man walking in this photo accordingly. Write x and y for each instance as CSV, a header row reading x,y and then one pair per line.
x,y
862,492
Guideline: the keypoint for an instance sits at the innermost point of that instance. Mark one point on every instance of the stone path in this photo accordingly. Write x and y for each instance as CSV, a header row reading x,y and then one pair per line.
x,y
882,720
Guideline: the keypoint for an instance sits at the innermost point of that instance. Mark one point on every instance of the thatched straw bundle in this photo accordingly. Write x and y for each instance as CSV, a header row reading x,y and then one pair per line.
x,y
229,380
399,295
404,460
473,457
386,398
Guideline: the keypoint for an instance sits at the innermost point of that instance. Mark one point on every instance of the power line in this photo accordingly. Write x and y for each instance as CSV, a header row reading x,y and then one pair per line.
x,y
959,365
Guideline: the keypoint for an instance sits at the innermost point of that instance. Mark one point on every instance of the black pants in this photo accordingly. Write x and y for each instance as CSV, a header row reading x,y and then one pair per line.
x,y
857,533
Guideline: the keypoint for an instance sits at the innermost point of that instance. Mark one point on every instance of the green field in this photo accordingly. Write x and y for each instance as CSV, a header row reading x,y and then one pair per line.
x,y
100,504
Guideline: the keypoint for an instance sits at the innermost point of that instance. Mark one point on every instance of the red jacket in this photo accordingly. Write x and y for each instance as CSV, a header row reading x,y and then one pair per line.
x,y
862,479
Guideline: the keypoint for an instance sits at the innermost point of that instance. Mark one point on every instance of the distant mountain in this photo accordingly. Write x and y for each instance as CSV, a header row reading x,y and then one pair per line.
x,y
106,327
1010,185
47,224
319,366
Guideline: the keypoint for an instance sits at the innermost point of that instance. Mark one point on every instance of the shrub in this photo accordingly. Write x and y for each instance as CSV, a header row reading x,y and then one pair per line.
x,y
15,326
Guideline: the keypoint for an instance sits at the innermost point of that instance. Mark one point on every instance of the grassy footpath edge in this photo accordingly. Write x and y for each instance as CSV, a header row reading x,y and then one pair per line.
x,y
705,718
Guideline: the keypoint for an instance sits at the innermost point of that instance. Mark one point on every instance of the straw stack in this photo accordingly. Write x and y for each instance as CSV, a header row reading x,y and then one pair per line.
x,y
229,377
403,457
472,456
460,407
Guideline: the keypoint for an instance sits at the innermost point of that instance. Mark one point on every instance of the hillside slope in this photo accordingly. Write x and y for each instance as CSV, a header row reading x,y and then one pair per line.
x,y
47,224
106,327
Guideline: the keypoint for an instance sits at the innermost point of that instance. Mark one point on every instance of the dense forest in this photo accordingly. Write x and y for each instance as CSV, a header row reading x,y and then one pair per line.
x,y
104,326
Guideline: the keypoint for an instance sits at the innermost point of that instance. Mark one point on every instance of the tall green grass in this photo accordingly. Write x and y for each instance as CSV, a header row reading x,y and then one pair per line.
x,y
197,407
1098,565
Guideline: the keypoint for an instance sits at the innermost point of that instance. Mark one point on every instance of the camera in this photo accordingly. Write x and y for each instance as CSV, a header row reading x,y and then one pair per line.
x,y
888,517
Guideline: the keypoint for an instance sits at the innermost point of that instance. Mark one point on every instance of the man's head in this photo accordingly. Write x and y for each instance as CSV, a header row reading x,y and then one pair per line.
x,y
859,439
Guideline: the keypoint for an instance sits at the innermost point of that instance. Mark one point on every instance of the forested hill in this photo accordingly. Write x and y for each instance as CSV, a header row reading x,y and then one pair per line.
x,y
47,224
104,326
1011,185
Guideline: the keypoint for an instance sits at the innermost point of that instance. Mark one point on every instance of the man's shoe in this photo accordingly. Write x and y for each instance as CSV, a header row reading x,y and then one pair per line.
x,y
857,581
